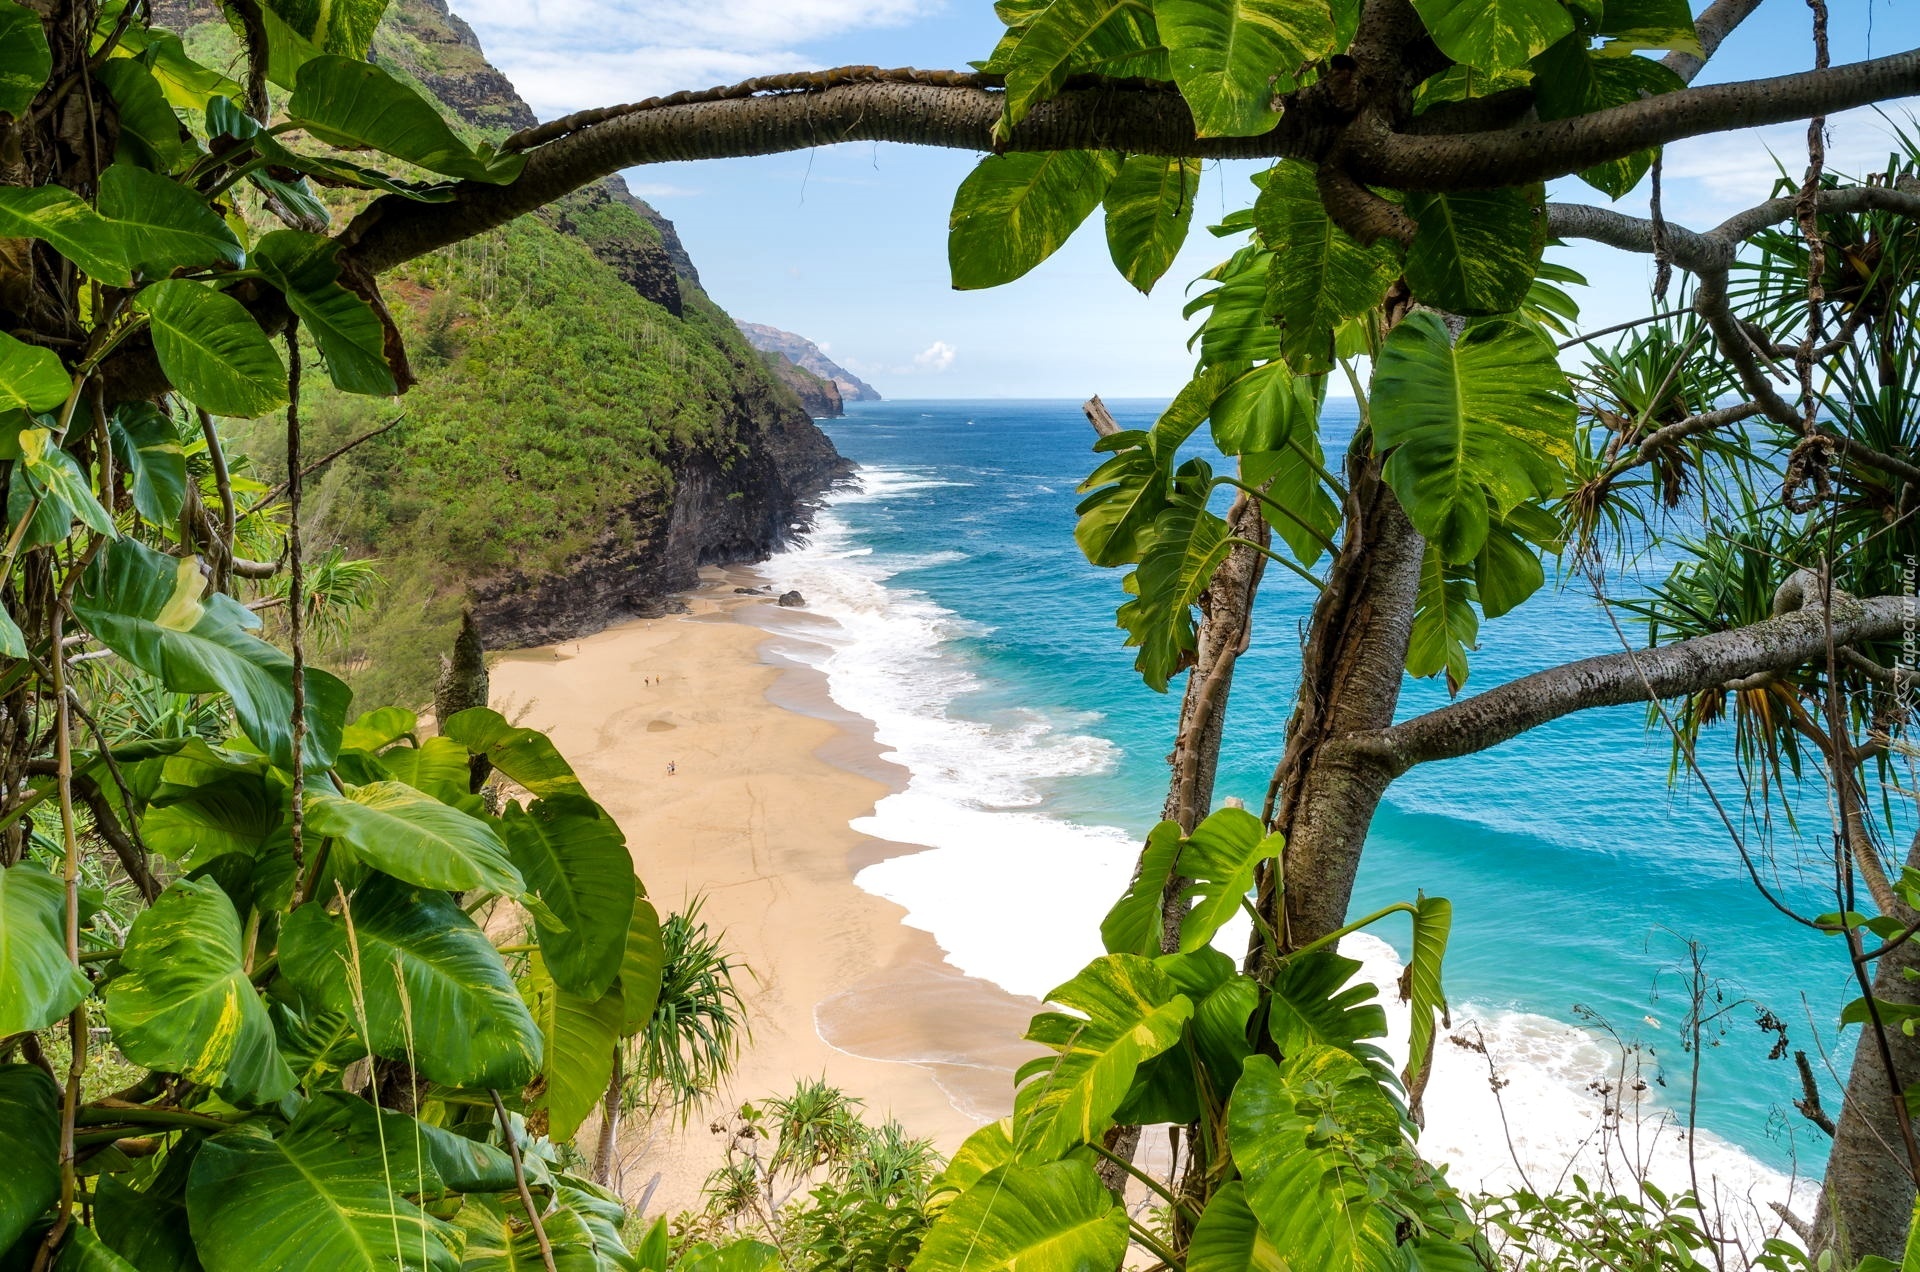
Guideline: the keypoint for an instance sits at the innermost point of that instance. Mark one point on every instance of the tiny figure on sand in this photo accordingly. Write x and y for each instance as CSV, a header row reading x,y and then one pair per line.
x,y
671,770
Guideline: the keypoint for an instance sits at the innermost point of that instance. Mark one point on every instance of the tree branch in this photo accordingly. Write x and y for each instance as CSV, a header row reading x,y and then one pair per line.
x,y
1715,24
1611,680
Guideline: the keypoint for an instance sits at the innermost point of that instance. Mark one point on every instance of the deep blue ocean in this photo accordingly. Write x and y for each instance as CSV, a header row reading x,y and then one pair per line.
x,y
1579,873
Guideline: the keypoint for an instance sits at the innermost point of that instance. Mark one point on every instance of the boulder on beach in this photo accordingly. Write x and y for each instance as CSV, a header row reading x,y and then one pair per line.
x,y
792,600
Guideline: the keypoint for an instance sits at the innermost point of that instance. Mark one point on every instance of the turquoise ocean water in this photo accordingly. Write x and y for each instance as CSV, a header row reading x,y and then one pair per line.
x,y
983,646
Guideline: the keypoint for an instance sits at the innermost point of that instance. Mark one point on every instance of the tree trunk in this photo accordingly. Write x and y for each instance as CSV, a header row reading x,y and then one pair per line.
x,y
607,1145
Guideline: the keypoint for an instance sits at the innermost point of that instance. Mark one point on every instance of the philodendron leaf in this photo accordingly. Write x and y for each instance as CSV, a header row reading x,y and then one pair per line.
x,y
154,611
164,225
327,1192
1229,1239
987,1149
149,130
1149,206
184,1004
1571,79
525,755
575,859
1060,35
434,988
1494,34
300,30
1290,477
25,59
1320,275
30,1145
1317,1002
580,1035
1123,496
42,984
1506,572
1233,58
499,1238
1219,858
212,350
641,966
415,838
1631,25
1129,1012
147,447
1265,409
1187,547
1055,1216
55,476
355,105
31,378
1015,210
1427,995
1486,423
1132,926
347,330
1476,251
1445,627
68,224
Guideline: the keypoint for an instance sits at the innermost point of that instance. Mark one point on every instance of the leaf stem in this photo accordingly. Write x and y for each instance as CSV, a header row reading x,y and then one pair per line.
x,y
520,1181
1396,908
1152,1184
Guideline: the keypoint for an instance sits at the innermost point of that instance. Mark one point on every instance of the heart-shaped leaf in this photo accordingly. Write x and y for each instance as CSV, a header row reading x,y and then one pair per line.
x,y
212,350
42,984
414,837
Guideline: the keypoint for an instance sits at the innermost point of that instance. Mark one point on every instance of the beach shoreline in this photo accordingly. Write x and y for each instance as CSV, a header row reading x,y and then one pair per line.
x,y
768,773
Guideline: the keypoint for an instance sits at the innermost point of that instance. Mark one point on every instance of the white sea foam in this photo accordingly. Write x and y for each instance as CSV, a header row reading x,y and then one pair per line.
x,y
1015,896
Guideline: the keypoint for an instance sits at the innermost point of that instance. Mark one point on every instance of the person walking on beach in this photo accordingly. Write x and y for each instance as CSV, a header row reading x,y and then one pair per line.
x,y
670,768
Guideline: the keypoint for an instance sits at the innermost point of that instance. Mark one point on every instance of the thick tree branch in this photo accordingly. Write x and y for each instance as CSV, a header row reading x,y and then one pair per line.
x,y
1715,24
1611,680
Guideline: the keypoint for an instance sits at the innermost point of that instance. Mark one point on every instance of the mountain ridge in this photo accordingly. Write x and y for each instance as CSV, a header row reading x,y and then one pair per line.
x,y
809,357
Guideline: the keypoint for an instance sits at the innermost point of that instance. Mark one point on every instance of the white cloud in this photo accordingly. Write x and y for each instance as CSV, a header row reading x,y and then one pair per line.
x,y
936,357
1736,170
564,55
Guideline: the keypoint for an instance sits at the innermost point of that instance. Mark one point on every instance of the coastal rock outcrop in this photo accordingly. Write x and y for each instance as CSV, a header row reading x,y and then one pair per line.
x,y
808,356
820,397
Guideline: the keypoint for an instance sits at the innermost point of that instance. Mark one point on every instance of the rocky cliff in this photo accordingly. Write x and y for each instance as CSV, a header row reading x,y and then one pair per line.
x,y
807,355
820,397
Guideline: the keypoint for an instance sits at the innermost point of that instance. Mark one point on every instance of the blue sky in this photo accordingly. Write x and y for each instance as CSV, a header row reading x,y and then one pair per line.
x,y
847,244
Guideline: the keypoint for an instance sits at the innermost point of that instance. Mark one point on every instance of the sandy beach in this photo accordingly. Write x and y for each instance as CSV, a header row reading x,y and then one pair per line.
x,y
768,772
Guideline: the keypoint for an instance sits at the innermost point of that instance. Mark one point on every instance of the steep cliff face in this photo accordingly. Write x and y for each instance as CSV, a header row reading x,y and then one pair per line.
x,y
808,356
820,397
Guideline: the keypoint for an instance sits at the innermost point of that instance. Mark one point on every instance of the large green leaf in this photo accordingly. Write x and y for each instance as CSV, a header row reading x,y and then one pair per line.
x,y
82,1250
1320,275
31,378
1476,251
1165,1089
235,813
212,350
525,755
1238,329
1288,1126
1232,58
1506,572
1488,421
183,1003
1015,210
149,130
1494,34
30,1145
1570,79
1187,547
1149,206
1051,1218
147,447
499,1238
155,612
379,728
439,766
1445,627
187,84
67,223
575,859
355,105
987,1149
148,1227
1063,34
580,1036
739,1255
1219,859
164,225
434,988
1427,995
1132,926
642,964
1631,25
1263,409
1123,496
328,1192
55,476
25,63
42,984
415,838
1229,1239
348,332
1316,1002
1129,1012
1290,477
344,27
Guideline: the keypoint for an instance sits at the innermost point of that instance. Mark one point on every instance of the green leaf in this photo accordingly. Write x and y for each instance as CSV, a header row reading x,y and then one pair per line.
x,y
183,1003
42,984
149,130
1149,206
212,350
240,813
415,838
333,26
1229,1239
1187,547
1494,34
30,1145
1063,34
1132,926
1285,1125
56,477
1232,58
147,447
1317,1002
525,755
739,1255
164,225
1290,477
83,1251
1219,859
439,766
1444,624
1570,79
154,611
580,1035
355,105
1432,923
642,964
1165,1088
148,1228
1488,421
345,327
1125,495
1632,25
499,1238
1263,409
1051,1218
575,859
1320,275
1238,329
1506,572
418,959
25,63
187,84
987,1149
326,1193
379,728
1015,210
1476,251
1129,1013
31,378
65,222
